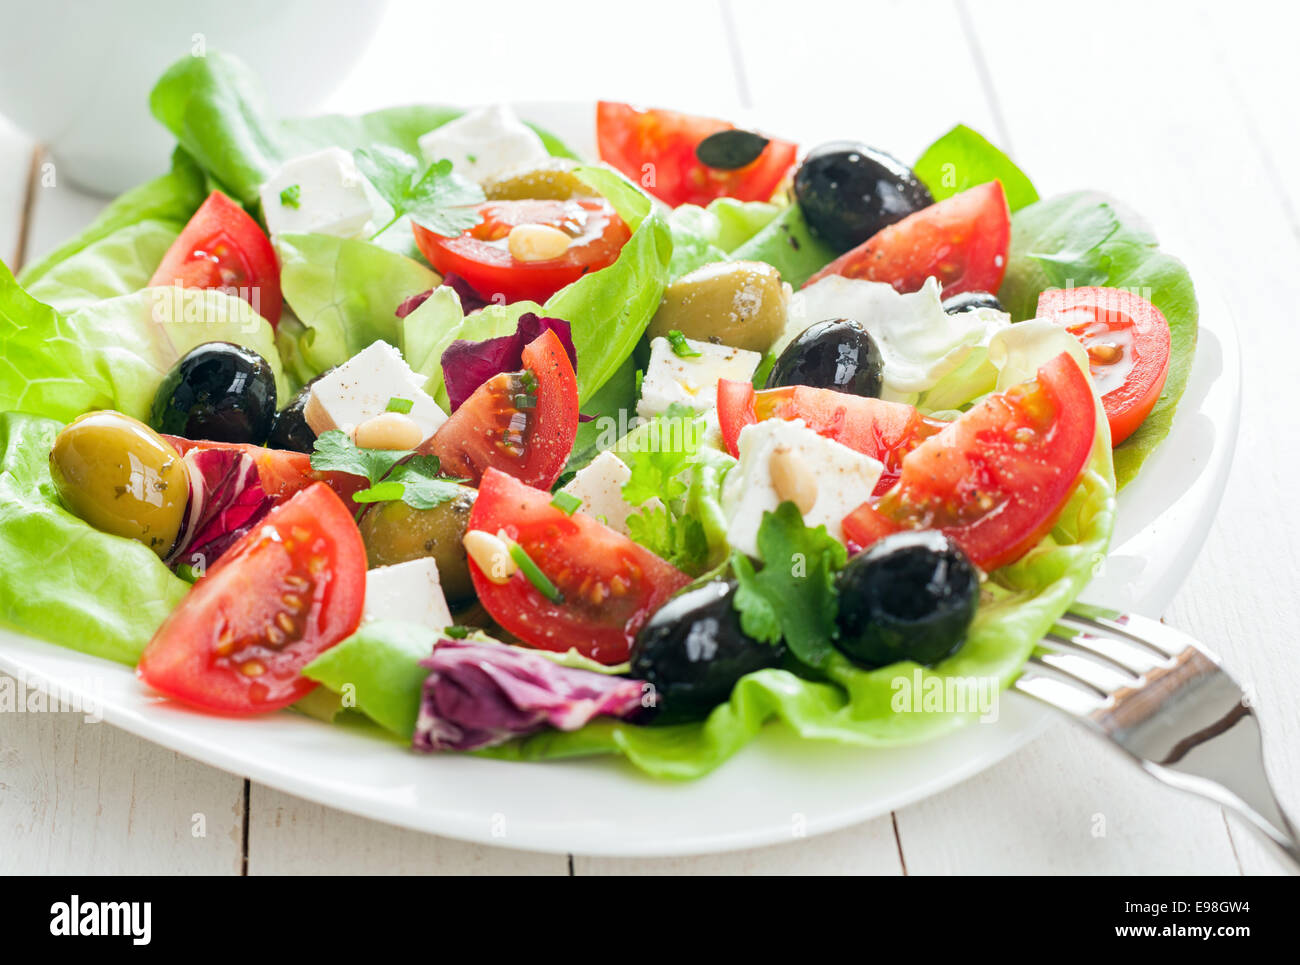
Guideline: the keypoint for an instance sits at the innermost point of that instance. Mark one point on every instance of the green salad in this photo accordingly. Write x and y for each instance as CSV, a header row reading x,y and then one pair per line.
x,y
420,416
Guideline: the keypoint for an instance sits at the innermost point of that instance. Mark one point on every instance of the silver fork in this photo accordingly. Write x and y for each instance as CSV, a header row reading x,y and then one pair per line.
x,y
1158,696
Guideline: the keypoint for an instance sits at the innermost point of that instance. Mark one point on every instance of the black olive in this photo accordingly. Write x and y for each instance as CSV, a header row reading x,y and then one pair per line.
x,y
693,651
849,191
911,596
289,429
731,149
969,301
218,391
837,353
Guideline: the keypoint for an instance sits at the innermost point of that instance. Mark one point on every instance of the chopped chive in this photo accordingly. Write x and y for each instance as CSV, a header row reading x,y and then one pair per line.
x,y
566,503
291,196
681,348
525,401
639,377
398,404
456,632
535,576
528,381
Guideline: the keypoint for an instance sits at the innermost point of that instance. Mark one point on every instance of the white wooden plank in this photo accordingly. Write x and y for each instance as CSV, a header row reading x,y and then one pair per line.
x,y
288,835
866,849
15,165
79,797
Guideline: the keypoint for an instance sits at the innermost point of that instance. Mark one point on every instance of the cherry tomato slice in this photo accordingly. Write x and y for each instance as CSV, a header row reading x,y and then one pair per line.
x,y
609,585
481,255
656,149
288,590
886,431
223,248
522,423
996,479
1127,341
961,240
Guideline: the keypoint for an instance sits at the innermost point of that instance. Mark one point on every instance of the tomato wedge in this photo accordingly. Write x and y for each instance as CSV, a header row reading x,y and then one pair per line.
x,y
886,431
223,248
281,472
1127,341
961,240
656,149
522,423
288,590
481,255
609,585
996,479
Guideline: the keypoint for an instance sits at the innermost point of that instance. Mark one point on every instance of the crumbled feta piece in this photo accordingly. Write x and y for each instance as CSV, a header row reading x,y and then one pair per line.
x,y
600,487
320,193
843,479
362,388
484,143
692,380
408,591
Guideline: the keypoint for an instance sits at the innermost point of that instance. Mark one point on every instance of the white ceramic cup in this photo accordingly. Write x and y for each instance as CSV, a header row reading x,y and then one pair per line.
x,y
76,74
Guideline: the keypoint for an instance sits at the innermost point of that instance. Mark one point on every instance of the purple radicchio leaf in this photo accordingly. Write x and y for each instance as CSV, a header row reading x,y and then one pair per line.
x,y
466,365
480,694
226,501
470,300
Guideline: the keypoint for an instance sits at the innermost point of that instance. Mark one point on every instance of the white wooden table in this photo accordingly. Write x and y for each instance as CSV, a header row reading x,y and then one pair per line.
x,y
1186,112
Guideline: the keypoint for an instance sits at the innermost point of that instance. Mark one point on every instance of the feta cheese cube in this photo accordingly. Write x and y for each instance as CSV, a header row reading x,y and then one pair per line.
x,y
600,487
692,380
843,479
484,143
361,389
407,591
321,193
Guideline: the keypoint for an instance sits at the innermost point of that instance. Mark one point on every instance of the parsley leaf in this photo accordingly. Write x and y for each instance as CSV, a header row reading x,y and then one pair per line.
x,y
291,197
663,455
437,199
415,482
421,486
793,596
335,452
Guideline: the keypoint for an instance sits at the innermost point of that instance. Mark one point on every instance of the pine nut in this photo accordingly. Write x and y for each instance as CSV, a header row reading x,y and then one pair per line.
x,y
490,554
536,242
389,430
791,479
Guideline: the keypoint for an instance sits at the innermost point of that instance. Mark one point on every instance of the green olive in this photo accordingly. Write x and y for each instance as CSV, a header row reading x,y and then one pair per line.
x,y
121,477
738,303
395,533
552,180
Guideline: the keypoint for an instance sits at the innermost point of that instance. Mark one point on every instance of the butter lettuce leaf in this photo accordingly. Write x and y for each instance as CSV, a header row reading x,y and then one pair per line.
x,y
964,158
702,236
113,354
1086,238
60,578
787,244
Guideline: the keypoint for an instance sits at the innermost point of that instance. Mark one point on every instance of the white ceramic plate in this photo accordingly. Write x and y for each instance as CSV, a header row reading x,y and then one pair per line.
x,y
777,786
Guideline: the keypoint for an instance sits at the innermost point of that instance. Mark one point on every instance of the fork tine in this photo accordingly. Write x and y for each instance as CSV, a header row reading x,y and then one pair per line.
x,y
1150,635
1099,649
1101,677
1057,666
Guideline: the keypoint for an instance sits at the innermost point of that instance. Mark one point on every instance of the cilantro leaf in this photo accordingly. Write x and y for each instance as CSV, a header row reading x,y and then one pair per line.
x,y
336,452
438,199
421,486
795,589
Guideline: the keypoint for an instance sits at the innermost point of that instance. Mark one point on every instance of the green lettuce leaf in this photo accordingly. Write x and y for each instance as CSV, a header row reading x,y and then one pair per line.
x,y
608,310
113,354
788,245
60,578
345,293
215,107
118,264
1086,238
962,159
702,236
